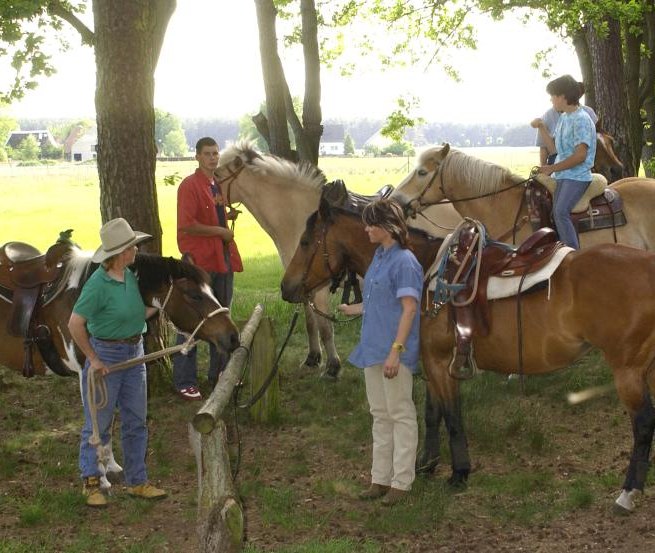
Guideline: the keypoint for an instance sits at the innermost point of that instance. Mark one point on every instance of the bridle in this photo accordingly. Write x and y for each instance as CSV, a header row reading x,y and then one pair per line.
x,y
232,176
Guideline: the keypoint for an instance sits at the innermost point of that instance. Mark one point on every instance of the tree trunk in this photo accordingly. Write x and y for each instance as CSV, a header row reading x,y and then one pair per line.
x,y
128,39
647,96
586,68
311,111
275,85
609,83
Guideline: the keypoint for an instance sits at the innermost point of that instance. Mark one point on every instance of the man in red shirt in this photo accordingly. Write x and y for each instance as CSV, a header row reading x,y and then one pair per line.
x,y
204,237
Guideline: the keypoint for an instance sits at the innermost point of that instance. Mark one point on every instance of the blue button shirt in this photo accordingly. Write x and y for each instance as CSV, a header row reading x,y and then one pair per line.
x,y
393,274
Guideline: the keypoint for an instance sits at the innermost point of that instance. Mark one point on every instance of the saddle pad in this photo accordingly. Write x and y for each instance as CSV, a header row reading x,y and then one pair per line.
x,y
505,287
595,188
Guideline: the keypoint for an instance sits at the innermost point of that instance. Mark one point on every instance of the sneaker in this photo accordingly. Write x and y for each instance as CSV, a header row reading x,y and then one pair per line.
x,y
146,491
375,491
93,493
393,497
191,393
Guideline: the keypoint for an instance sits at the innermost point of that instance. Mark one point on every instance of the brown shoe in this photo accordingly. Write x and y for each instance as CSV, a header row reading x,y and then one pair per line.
x,y
375,491
146,491
93,493
394,496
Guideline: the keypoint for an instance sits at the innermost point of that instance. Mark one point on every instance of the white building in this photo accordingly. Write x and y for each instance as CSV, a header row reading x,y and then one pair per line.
x,y
86,146
332,141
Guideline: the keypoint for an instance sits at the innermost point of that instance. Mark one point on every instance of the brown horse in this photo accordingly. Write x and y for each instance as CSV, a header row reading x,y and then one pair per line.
x,y
564,322
494,195
181,289
606,162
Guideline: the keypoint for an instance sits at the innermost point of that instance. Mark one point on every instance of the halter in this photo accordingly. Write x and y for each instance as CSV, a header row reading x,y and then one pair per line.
x,y
229,180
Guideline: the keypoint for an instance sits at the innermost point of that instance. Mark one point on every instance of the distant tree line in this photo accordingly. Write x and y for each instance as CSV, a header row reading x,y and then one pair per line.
x,y
177,136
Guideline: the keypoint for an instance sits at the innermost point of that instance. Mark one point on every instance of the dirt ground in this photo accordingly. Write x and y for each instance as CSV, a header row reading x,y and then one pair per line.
x,y
169,525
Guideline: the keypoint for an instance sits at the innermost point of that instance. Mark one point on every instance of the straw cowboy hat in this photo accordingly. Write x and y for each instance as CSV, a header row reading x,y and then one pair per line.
x,y
116,236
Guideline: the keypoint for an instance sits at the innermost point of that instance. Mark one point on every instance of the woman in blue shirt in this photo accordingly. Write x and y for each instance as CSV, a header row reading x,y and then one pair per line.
x,y
388,350
575,144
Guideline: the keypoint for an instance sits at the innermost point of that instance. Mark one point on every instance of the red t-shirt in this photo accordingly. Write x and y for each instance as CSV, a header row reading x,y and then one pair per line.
x,y
195,204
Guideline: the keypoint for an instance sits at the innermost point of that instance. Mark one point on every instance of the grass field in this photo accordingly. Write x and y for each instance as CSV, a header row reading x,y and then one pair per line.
x,y
39,202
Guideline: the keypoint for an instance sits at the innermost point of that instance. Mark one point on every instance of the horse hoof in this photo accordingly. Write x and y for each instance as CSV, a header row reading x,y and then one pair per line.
x,y
329,375
312,361
427,464
626,503
457,482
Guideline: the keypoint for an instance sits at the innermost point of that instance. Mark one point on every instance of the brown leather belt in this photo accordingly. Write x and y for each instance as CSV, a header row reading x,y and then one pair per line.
x,y
131,340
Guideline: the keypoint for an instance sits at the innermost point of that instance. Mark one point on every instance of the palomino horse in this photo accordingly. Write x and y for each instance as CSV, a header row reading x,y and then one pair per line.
x,y
181,289
281,195
565,321
493,194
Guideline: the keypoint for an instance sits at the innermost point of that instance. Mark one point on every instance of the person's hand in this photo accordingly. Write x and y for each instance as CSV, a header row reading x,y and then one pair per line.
x,y
546,169
537,123
347,309
392,364
225,234
98,367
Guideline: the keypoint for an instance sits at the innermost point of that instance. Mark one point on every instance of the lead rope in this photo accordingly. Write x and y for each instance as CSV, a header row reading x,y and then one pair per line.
x,y
96,387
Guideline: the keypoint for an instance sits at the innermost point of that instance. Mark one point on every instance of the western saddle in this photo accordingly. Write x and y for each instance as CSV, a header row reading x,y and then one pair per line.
x,y
463,273
27,275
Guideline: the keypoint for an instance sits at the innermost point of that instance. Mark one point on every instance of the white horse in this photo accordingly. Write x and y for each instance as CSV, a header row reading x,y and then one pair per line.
x,y
281,195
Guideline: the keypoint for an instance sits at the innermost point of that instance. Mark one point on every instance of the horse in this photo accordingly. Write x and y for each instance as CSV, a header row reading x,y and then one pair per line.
x,y
565,321
492,194
606,162
180,289
281,195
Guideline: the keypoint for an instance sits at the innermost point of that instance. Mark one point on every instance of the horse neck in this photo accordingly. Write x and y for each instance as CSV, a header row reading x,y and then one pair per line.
x,y
280,206
352,237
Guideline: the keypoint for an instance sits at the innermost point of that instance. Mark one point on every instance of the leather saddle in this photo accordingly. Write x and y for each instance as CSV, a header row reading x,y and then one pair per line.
x,y
337,195
600,206
27,275
472,260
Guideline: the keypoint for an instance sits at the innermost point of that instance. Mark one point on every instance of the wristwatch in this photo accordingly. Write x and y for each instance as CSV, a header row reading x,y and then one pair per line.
x,y
398,347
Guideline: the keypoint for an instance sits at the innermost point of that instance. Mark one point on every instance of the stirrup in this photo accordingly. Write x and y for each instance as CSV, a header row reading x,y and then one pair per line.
x,y
462,365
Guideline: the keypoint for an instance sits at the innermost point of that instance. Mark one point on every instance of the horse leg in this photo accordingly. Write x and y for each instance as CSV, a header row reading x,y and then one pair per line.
x,y
326,332
642,416
428,460
313,359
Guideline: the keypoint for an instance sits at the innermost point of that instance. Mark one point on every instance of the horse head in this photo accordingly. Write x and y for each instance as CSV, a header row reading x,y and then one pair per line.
x,y
606,161
182,290
328,247
421,189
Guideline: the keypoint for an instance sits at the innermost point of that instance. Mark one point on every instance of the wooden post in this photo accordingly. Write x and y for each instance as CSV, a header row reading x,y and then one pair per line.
x,y
220,516
206,418
261,364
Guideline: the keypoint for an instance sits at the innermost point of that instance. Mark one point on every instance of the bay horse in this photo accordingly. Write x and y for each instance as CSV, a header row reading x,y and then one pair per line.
x,y
597,297
281,195
606,162
180,288
493,195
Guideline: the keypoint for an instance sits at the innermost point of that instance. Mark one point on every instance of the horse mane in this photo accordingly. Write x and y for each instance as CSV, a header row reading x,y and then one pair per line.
x,y
154,271
477,175
303,173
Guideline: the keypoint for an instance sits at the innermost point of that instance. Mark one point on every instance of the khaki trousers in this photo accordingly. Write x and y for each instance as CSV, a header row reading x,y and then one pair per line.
x,y
395,429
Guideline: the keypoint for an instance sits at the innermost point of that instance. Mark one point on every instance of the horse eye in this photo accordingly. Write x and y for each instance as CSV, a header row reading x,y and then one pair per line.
x,y
304,242
422,172
194,296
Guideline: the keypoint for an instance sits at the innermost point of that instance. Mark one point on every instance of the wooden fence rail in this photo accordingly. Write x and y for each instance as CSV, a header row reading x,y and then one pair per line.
x,y
220,515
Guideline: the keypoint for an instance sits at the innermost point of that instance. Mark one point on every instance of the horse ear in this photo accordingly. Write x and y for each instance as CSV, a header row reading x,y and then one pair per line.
x,y
445,149
324,208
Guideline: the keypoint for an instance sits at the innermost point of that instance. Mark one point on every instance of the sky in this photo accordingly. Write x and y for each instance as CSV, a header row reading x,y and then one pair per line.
x,y
210,66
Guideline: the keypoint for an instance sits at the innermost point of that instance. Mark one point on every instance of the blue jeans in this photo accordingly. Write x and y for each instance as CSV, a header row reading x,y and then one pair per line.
x,y
127,390
185,367
567,193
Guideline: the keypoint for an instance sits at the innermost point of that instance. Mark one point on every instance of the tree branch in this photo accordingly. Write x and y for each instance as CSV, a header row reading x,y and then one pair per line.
x,y
58,10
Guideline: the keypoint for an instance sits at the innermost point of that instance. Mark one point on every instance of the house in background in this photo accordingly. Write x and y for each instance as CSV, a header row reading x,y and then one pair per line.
x,y
86,146
332,141
43,137
76,132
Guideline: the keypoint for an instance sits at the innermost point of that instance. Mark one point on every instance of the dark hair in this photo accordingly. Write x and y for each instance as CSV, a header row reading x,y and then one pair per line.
x,y
388,215
205,141
568,87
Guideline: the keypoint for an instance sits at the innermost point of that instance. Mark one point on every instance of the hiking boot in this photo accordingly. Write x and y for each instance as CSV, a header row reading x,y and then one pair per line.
x,y
375,491
394,496
93,493
146,491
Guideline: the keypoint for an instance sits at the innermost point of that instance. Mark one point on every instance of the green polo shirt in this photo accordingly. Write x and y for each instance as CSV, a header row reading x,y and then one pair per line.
x,y
113,310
